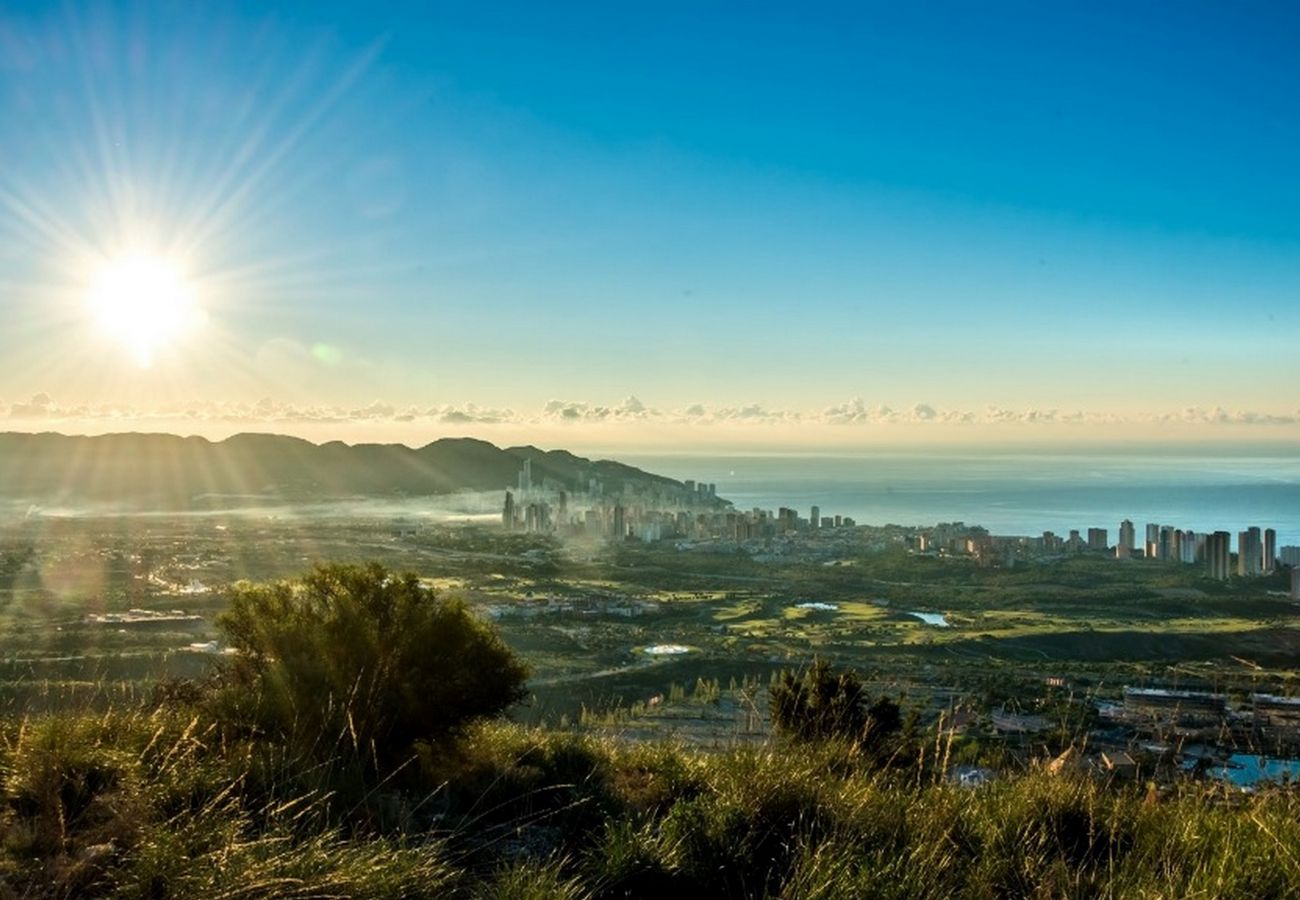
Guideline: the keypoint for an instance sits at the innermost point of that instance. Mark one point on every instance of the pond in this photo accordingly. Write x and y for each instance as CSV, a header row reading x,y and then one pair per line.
x,y
935,619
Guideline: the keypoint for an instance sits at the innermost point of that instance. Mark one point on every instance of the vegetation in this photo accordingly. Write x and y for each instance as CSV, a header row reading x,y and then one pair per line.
x,y
156,803
362,653
352,749
823,704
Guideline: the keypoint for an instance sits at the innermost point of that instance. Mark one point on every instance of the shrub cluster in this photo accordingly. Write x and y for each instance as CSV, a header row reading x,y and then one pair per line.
x,y
363,660
823,704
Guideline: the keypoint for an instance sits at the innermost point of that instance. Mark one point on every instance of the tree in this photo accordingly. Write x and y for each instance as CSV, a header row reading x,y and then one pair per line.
x,y
359,657
823,704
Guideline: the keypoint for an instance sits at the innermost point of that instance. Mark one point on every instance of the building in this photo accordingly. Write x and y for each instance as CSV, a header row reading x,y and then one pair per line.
x,y
1152,545
620,524
1269,562
1098,539
1295,584
1218,560
1124,549
1174,707
537,518
1250,553
526,477
508,512
1165,543
1290,556
1276,718
815,516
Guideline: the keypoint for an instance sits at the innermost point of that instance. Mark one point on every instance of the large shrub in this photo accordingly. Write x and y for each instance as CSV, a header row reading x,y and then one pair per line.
x,y
823,703
363,658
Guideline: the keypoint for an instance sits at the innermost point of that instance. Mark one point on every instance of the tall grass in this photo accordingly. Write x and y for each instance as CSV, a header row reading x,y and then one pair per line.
x,y
159,803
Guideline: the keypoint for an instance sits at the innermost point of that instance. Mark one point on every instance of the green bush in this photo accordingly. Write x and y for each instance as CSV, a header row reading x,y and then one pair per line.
x,y
823,704
363,661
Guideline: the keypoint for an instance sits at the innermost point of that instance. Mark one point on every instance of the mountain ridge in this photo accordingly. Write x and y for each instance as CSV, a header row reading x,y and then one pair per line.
x,y
170,471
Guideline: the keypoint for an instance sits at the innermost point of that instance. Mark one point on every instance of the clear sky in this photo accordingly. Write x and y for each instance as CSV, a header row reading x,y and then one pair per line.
x,y
797,222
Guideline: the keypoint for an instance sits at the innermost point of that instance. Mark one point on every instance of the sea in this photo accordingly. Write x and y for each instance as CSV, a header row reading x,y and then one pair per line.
x,y
1016,492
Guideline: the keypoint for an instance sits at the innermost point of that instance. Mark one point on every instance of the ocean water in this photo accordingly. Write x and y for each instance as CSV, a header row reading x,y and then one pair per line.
x,y
1016,492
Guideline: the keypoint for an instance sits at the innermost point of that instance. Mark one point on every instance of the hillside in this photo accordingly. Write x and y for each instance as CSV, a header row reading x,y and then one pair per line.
x,y
163,471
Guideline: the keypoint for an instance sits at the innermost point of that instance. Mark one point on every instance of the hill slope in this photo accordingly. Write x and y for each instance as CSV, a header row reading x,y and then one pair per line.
x,y
171,472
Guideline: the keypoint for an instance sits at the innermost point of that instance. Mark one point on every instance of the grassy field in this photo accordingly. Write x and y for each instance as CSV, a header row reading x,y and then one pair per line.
x,y
157,803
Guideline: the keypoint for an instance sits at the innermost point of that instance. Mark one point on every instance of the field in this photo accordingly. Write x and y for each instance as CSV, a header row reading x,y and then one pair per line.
x,y
584,615
643,761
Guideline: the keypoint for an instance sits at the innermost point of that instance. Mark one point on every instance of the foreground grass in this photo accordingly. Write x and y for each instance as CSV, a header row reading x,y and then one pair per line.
x,y
158,803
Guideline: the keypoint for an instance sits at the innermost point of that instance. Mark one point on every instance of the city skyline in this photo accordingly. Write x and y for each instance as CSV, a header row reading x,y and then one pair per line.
x,y
1021,225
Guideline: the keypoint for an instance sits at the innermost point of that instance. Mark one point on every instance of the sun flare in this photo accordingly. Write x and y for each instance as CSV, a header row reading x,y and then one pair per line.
x,y
145,302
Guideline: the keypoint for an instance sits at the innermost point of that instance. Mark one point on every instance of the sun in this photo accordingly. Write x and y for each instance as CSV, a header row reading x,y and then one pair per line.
x,y
145,302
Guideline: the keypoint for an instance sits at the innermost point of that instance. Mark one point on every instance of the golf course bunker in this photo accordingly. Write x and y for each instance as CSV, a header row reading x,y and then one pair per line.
x,y
666,650
818,605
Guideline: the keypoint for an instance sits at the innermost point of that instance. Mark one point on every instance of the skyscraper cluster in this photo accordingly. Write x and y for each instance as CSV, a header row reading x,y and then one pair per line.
x,y
1256,548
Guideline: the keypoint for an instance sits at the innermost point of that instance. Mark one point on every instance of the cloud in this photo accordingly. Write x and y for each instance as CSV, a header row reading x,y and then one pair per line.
x,y
631,409
38,407
850,414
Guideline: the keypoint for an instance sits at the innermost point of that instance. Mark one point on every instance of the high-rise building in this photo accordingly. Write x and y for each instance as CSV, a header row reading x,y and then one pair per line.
x,y
1269,562
537,518
1250,552
1290,556
620,523
1218,559
1295,584
815,516
526,477
1187,547
1098,539
508,512
1124,549
1165,543
1152,546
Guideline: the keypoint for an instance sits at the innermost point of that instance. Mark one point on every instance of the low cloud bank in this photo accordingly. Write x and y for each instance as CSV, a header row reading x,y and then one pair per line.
x,y
854,413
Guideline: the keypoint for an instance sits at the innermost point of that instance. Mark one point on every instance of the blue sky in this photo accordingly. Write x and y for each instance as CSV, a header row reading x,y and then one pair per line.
x,y
1031,207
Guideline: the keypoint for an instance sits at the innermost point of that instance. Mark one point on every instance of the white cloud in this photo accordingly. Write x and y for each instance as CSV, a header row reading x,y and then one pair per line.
x,y
853,413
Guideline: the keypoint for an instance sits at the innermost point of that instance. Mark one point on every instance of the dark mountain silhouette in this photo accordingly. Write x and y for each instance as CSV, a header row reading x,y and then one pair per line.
x,y
164,471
